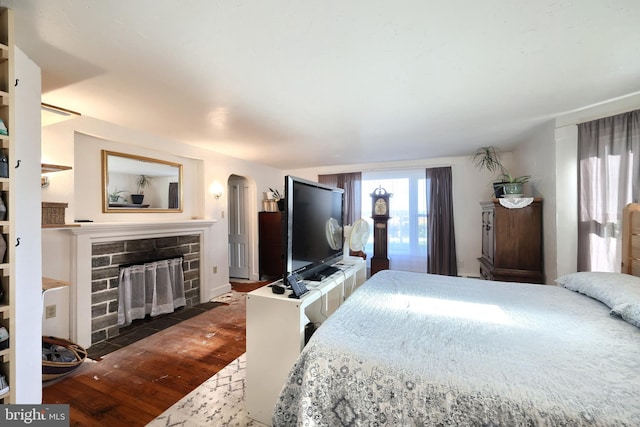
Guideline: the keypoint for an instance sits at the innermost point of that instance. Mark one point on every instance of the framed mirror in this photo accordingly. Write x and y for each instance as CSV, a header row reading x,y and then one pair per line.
x,y
133,183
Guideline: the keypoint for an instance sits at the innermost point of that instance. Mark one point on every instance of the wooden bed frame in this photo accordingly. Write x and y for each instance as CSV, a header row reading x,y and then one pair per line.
x,y
631,239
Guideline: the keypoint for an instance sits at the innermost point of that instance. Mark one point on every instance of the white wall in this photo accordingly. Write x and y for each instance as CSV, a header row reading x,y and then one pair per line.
x,y
88,202
470,187
536,156
77,143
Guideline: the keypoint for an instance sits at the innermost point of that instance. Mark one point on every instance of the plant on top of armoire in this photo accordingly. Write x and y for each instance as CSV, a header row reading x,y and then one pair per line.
x,y
488,157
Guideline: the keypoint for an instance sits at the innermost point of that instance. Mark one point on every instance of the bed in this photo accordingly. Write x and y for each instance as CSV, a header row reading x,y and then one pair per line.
x,y
417,349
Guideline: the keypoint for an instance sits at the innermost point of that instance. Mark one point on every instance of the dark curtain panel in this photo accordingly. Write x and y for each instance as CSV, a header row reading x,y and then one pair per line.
x,y
174,196
441,246
350,183
609,164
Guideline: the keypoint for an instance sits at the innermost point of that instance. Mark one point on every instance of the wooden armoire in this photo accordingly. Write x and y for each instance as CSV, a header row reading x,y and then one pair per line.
x,y
512,242
270,244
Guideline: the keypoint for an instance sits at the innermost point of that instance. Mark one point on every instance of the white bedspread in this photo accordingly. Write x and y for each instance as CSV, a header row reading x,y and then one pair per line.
x,y
413,349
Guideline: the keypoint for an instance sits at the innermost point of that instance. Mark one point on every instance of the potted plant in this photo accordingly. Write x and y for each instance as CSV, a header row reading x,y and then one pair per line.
x,y
115,196
488,158
278,198
141,182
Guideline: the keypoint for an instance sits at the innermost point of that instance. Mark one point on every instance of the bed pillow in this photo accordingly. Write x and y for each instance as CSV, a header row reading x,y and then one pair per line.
x,y
619,291
628,311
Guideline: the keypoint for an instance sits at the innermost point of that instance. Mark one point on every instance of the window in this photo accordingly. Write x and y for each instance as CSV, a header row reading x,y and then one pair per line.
x,y
407,227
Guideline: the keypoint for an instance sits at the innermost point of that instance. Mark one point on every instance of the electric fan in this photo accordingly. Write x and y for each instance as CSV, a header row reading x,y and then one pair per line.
x,y
356,236
333,232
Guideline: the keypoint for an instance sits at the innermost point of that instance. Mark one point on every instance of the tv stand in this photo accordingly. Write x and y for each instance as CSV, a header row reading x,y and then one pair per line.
x,y
276,326
323,274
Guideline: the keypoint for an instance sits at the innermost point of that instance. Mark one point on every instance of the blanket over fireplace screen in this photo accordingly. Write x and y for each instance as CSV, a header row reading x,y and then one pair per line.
x,y
152,288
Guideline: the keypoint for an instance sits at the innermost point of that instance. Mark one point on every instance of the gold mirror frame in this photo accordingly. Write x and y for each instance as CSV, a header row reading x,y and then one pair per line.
x,y
116,200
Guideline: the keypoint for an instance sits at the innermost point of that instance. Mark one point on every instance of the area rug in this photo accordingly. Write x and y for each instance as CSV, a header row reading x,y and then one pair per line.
x,y
219,401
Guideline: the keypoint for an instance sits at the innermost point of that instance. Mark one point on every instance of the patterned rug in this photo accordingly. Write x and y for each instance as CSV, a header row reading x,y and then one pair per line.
x,y
219,401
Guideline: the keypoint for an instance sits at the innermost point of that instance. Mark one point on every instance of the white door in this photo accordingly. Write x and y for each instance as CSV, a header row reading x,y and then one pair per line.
x,y
238,237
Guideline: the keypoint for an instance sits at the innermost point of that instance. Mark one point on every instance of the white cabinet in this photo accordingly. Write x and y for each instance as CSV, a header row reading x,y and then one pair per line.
x,y
276,331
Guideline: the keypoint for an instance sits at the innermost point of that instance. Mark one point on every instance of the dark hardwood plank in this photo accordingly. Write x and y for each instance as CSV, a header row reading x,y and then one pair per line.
x,y
133,385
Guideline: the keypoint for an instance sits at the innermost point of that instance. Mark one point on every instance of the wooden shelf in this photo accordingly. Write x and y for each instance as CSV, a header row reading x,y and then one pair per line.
x,y
49,283
46,167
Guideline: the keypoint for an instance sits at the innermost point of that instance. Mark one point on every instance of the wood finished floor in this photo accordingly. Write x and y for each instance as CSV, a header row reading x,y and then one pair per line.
x,y
133,385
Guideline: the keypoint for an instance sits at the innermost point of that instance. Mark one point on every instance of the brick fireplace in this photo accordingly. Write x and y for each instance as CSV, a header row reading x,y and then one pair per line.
x,y
99,249
106,259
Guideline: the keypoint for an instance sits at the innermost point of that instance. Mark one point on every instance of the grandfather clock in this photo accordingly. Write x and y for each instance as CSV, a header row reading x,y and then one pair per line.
x,y
380,216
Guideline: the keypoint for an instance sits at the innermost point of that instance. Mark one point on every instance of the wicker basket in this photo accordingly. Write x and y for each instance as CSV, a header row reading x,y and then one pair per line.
x,y
52,370
53,213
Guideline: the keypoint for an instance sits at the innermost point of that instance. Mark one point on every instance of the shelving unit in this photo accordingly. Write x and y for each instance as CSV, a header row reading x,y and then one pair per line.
x,y
276,331
7,279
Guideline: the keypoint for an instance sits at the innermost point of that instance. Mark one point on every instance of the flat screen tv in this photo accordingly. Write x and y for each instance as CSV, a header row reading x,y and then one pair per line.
x,y
313,235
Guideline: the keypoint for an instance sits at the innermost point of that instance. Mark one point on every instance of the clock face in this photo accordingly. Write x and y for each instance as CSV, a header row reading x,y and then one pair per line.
x,y
380,207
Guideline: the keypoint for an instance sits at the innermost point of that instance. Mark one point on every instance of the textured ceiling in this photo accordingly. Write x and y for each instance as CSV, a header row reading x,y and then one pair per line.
x,y
293,83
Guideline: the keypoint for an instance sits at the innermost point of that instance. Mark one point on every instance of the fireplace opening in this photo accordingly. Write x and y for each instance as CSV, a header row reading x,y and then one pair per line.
x,y
151,288
111,259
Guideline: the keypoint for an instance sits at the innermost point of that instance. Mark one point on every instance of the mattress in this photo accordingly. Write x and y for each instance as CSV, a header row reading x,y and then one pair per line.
x,y
418,349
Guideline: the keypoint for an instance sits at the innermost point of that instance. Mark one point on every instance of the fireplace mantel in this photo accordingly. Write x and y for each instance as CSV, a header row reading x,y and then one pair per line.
x,y
86,234
138,228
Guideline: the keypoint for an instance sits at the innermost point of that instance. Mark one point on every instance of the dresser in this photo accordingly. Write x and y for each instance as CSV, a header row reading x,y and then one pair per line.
x,y
512,242
270,244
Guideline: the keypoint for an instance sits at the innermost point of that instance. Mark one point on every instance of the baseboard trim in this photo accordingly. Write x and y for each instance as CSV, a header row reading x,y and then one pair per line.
x,y
219,290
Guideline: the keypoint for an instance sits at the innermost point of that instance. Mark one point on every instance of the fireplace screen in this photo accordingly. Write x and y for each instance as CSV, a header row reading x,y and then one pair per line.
x,y
152,288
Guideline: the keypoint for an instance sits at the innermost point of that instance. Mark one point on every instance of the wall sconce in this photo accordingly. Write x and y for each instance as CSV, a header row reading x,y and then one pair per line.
x,y
216,190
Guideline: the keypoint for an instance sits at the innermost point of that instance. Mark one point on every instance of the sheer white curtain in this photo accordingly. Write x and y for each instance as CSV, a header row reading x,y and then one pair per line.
x,y
407,227
153,288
